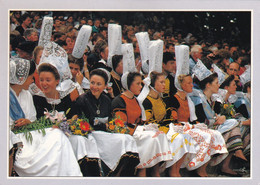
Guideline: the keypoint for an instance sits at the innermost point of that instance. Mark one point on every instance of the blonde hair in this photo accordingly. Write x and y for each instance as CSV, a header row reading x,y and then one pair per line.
x,y
36,51
181,78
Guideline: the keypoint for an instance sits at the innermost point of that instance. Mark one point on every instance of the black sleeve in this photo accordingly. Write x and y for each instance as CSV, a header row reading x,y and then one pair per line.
x,y
173,89
81,107
147,104
148,107
119,107
118,103
217,107
242,110
39,105
172,102
200,113
73,111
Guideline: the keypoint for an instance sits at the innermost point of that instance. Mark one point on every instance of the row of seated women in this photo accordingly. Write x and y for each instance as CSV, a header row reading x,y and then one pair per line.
x,y
172,136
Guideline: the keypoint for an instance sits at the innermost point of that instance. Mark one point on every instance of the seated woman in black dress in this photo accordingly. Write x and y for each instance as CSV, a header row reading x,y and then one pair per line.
x,y
115,149
50,98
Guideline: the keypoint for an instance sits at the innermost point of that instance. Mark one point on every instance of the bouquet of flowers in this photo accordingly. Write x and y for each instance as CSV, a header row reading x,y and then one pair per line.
x,y
50,119
55,119
117,125
79,126
227,110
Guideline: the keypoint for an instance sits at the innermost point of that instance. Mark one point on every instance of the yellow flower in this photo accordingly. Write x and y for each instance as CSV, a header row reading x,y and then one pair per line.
x,y
225,106
78,132
73,127
123,131
111,127
232,112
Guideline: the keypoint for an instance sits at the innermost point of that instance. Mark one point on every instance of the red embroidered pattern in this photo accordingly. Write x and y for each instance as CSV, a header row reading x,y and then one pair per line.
x,y
154,157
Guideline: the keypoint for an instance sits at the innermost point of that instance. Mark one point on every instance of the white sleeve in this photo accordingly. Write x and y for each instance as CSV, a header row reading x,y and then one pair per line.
x,y
26,102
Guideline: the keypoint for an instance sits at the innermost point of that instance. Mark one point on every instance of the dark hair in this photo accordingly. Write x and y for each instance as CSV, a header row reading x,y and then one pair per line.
x,y
167,56
247,84
168,45
235,55
209,79
24,17
77,61
58,35
96,36
154,76
116,60
131,77
227,81
245,61
15,40
46,67
99,72
32,68
61,43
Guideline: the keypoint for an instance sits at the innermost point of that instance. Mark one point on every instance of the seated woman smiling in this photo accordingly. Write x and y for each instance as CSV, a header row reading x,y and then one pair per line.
x,y
116,150
45,155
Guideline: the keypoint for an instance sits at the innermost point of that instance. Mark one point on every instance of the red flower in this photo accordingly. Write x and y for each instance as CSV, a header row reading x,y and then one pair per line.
x,y
119,122
84,126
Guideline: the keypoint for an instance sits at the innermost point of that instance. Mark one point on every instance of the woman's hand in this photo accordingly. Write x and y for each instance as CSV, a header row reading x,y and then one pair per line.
x,y
220,120
110,92
85,68
21,122
247,122
79,77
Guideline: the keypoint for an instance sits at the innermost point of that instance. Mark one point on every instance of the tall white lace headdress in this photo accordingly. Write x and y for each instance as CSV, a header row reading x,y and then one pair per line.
x,y
46,31
144,41
155,64
182,64
128,63
114,42
57,56
82,41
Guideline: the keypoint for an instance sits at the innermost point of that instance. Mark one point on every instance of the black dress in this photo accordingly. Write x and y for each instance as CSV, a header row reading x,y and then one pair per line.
x,y
170,86
93,108
41,104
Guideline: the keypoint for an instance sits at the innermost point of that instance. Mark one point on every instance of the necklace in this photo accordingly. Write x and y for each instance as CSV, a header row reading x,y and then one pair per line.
x,y
53,104
98,110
